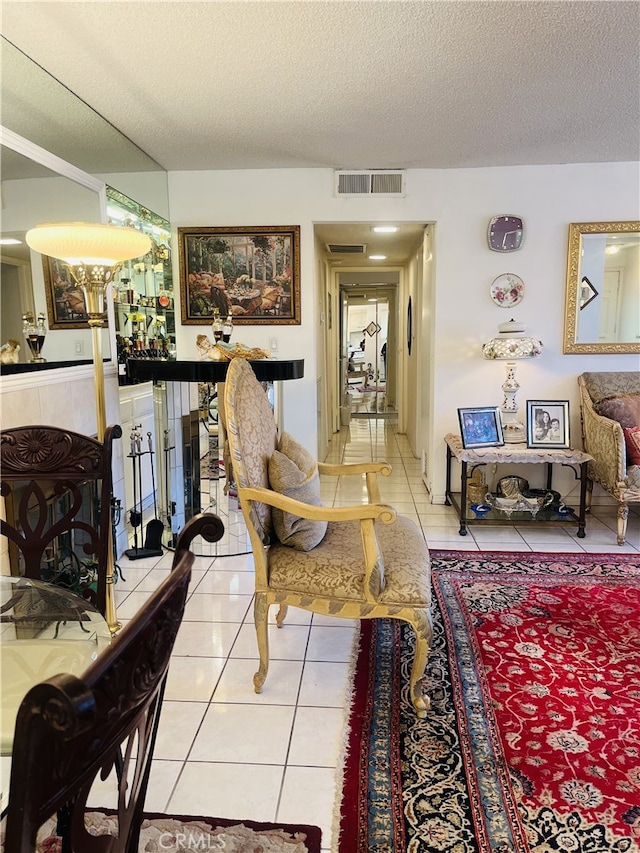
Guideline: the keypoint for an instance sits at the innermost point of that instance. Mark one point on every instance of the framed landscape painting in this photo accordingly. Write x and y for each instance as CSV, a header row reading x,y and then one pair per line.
x,y
252,273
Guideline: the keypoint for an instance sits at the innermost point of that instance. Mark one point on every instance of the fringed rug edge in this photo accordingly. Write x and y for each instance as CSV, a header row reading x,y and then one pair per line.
x,y
345,745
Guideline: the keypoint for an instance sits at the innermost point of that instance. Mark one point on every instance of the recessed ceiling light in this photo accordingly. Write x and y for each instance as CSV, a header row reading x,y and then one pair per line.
x,y
10,241
377,257
385,229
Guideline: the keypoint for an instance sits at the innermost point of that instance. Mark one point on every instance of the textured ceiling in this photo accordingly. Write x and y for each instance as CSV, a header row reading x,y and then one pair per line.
x,y
357,85
431,84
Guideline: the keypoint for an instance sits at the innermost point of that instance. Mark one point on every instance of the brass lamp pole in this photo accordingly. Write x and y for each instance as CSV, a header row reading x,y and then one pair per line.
x,y
94,252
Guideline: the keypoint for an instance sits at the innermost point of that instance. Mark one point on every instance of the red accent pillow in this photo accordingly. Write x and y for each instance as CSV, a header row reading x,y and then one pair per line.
x,y
632,440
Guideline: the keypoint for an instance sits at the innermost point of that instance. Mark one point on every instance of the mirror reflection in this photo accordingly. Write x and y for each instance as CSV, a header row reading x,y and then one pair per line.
x,y
602,313
26,202
43,111
40,108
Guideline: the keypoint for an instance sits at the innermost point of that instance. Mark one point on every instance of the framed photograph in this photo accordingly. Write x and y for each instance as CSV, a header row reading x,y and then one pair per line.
x,y
66,307
481,427
251,273
548,423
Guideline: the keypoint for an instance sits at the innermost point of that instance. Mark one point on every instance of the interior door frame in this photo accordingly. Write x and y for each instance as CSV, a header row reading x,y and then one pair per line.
x,y
387,294
334,343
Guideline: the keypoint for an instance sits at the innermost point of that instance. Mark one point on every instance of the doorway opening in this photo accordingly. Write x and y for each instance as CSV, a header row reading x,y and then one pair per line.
x,y
354,259
367,352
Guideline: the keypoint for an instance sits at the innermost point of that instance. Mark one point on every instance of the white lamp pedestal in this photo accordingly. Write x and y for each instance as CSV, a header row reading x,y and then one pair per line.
x,y
514,431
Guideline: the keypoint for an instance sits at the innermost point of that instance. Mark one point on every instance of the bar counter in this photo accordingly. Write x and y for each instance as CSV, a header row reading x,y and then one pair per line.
x,y
266,370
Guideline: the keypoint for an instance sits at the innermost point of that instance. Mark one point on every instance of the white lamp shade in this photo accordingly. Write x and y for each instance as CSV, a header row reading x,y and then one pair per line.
x,y
510,348
88,243
512,343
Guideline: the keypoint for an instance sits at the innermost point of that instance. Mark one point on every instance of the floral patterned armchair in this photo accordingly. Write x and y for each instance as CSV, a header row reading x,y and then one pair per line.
x,y
610,409
359,562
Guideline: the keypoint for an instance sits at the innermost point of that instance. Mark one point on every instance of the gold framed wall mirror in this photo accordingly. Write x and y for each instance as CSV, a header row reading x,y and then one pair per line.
x,y
602,305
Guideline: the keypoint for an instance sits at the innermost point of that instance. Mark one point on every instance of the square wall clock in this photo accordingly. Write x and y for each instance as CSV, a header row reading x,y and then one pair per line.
x,y
505,233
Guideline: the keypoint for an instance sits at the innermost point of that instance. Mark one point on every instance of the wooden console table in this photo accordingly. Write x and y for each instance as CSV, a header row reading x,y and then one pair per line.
x,y
515,454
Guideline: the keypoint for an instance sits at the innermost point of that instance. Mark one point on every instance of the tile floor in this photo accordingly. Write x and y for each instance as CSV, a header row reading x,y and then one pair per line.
x,y
224,751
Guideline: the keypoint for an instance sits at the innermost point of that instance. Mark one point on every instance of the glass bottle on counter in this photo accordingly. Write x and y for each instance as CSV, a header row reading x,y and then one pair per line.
x,y
217,326
227,328
35,333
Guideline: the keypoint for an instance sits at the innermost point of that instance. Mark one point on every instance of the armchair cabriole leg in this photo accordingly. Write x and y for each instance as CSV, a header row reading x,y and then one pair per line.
x,y
261,618
281,615
623,515
424,633
588,495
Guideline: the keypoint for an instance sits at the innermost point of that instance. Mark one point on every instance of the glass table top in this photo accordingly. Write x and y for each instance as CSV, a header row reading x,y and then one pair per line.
x,y
44,630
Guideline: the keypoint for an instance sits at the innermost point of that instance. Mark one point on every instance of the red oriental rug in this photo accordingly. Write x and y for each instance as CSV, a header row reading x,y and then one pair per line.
x,y
532,743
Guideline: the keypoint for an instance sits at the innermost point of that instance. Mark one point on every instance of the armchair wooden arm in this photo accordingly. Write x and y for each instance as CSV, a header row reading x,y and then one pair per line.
x,y
370,469
354,468
357,512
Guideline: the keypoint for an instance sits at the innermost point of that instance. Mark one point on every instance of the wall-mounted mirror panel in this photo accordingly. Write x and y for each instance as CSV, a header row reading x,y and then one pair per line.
x,y
602,306
26,202
40,108
43,111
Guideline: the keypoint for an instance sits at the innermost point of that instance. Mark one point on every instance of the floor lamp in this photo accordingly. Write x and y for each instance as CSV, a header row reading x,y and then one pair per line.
x,y
511,344
93,252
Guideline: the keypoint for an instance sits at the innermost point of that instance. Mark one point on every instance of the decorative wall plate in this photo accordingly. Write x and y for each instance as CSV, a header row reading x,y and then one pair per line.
x,y
507,290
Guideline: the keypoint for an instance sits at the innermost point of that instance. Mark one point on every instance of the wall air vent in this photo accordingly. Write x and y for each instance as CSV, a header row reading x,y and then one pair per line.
x,y
346,249
386,182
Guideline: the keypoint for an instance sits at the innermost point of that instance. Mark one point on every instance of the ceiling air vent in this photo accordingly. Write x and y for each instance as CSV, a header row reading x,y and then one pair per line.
x,y
386,182
346,249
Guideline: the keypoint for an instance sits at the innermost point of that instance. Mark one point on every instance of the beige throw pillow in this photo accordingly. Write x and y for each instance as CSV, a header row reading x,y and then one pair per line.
x,y
293,472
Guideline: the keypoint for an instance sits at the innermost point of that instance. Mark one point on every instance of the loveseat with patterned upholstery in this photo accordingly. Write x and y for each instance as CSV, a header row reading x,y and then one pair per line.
x,y
610,415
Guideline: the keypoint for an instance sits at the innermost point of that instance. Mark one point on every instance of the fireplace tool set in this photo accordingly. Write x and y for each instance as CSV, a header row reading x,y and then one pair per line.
x,y
153,539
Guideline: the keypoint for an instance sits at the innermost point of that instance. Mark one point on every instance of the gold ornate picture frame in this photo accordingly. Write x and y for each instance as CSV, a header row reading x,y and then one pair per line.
x,y
602,288
252,273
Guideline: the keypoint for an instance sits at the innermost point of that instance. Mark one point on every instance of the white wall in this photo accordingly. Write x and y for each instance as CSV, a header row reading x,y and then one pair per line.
x,y
460,202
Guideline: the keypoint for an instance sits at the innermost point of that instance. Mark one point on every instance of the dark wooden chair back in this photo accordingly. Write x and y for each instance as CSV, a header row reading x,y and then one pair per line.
x,y
69,730
57,487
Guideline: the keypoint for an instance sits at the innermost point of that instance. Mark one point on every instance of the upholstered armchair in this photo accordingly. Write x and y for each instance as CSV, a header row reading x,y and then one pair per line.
x,y
610,414
358,562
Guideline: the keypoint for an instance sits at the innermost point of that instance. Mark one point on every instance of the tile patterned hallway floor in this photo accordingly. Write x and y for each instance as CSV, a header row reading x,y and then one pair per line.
x,y
224,751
